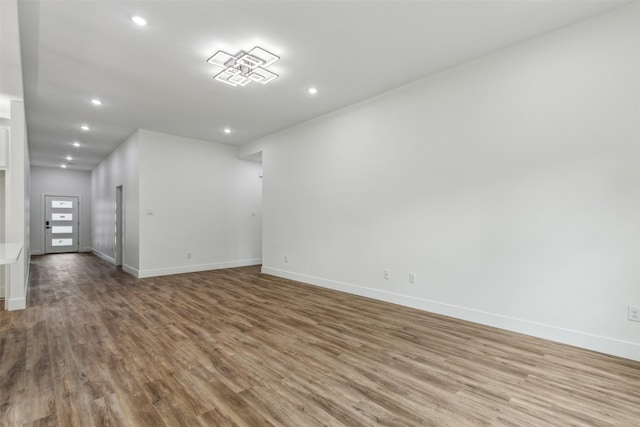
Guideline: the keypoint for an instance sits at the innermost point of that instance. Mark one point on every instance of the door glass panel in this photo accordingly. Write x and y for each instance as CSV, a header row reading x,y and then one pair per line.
x,y
61,229
61,204
61,242
61,217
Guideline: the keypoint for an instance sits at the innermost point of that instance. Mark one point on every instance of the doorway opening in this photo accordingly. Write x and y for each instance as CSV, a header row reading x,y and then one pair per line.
x,y
119,233
3,275
61,224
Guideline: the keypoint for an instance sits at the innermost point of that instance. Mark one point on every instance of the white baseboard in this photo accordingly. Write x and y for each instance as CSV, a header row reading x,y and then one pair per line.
x,y
41,252
616,347
16,304
103,256
132,271
153,272
20,303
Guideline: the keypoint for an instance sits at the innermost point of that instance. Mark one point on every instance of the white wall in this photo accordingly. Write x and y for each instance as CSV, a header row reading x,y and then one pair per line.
x,y
510,186
3,277
17,207
198,198
120,168
16,204
59,182
182,196
10,60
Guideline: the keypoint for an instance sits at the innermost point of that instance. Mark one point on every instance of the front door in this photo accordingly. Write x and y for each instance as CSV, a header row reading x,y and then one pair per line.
x,y
61,224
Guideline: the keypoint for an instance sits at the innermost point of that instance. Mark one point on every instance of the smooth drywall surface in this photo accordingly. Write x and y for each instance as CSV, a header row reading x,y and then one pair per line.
x,y
17,207
3,193
121,168
59,182
10,60
200,206
509,186
16,204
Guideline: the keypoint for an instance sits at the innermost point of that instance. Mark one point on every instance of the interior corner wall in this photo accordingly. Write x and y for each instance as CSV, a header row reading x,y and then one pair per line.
x,y
17,184
510,187
59,182
17,199
26,197
3,191
201,206
120,168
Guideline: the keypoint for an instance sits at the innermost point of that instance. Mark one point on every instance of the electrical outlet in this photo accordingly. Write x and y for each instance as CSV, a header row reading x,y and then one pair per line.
x,y
188,255
412,278
634,313
387,274
286,258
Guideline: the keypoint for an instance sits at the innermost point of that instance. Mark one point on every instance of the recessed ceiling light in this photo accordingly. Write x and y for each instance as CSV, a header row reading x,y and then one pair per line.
x,y
69,158
76,144
312,90
139,20
96,101
84,127
63,166
227,130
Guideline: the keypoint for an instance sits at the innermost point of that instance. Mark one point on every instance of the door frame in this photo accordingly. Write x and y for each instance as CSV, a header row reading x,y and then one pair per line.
x,y
43,218
119,226
4,269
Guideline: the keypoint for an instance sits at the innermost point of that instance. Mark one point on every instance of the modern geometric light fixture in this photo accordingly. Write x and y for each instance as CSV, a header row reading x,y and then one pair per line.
x,y
244,67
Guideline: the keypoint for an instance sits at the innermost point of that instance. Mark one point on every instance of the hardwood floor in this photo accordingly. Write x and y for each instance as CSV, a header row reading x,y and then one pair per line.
x,y
236,347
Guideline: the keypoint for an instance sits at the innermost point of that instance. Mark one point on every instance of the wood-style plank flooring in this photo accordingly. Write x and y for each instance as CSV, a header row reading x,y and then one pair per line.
x,y
236,347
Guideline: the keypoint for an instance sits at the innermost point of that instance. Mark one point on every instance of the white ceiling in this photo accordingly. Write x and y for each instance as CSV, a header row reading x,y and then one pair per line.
x,y
10,77
156,77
